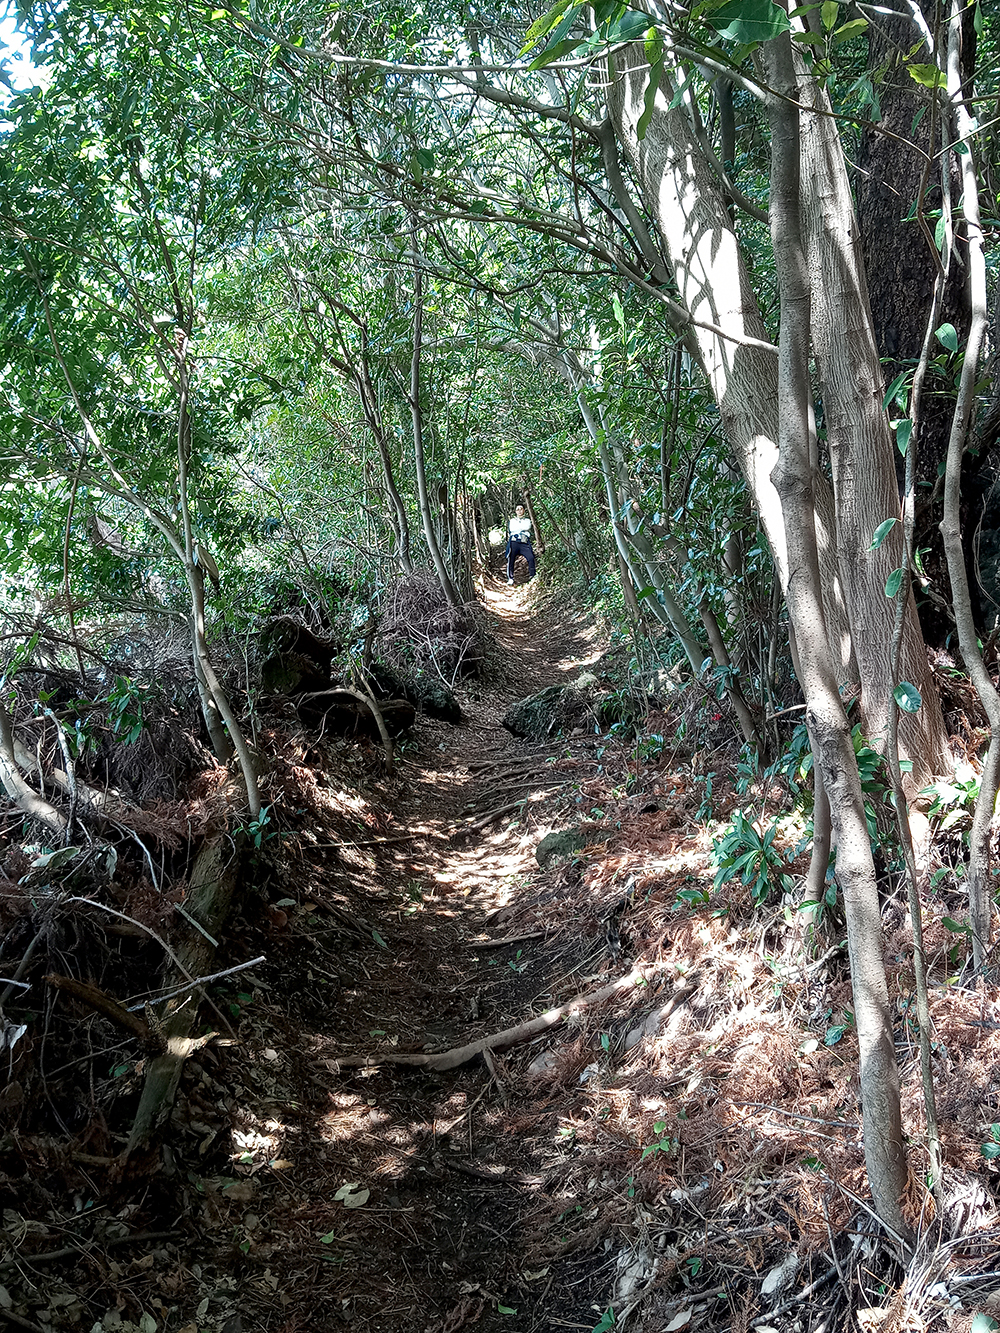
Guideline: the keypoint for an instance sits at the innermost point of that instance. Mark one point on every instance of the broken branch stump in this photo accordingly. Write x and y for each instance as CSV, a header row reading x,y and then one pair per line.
x,y
209,898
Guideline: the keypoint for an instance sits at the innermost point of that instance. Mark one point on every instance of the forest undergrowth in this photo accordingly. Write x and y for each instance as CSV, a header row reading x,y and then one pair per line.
x,y
446,1086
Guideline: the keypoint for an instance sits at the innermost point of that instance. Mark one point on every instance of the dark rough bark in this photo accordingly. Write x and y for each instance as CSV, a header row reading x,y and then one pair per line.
x,y
860,444
902,269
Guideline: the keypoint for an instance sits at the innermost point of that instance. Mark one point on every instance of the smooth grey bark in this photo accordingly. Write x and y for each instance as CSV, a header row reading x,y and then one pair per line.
x,y
829,728
688,203
417,417
27,800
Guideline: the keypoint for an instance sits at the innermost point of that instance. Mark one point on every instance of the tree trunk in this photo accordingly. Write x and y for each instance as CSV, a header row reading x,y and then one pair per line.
x,y
861,446
416,414
829,727
895,178
687,202
981,881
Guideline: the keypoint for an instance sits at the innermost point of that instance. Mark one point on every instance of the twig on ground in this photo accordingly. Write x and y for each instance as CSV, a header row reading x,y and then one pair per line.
x,y
509,939
481,821
20,1321
795,1115
68,1251
797,1299
460,1055
379,842
198,981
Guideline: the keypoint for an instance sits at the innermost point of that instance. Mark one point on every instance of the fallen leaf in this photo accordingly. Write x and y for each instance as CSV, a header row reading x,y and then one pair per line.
x,y
678,1321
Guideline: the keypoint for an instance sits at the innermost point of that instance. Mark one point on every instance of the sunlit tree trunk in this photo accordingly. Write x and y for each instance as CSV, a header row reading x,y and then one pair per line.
x,y
687,202
417,417
829,727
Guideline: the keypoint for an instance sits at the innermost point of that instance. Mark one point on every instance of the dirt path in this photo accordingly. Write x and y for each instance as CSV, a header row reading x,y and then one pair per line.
x,y
666,1152
446,1186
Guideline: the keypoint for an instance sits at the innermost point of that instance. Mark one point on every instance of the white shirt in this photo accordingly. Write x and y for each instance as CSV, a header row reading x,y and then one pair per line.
x,y
520,529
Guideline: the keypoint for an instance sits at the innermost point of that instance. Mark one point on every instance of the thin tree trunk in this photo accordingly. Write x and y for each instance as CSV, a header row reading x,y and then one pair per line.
x,y
980,886
416,414
828,724
208,682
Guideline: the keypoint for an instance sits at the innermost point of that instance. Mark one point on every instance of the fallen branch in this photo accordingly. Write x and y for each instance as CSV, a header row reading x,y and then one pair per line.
x,y
103,1003
797,1299
508,939
378,842
480,821
523,784
27,800
85,1249
460,1055
209,897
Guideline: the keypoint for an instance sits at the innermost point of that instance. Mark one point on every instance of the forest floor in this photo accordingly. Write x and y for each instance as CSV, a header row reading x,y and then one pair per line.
x,y
677,1147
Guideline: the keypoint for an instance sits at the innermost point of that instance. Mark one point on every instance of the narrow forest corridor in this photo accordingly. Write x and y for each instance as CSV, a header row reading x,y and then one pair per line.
x,y
398,946
388,947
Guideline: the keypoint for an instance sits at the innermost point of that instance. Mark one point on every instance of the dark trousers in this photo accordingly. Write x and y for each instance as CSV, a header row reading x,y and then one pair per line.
x,y
516,548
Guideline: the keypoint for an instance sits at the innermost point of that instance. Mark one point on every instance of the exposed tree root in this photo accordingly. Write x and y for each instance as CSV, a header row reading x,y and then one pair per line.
x,y
460,1055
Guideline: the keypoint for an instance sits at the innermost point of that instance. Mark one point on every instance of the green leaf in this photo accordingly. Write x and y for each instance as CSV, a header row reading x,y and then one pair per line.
x,y
606,1321
947,337
328,1239
809,38
904,429
555,52
892,583
881,532
629,28
847,31
956,927
828,12
928,76
379,940
749,21
893,391
907,696
505,1309
990,1151
834,1034
544,25
982,1322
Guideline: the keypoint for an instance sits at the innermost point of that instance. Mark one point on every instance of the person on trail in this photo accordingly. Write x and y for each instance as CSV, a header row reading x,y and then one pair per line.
x,y
519,543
